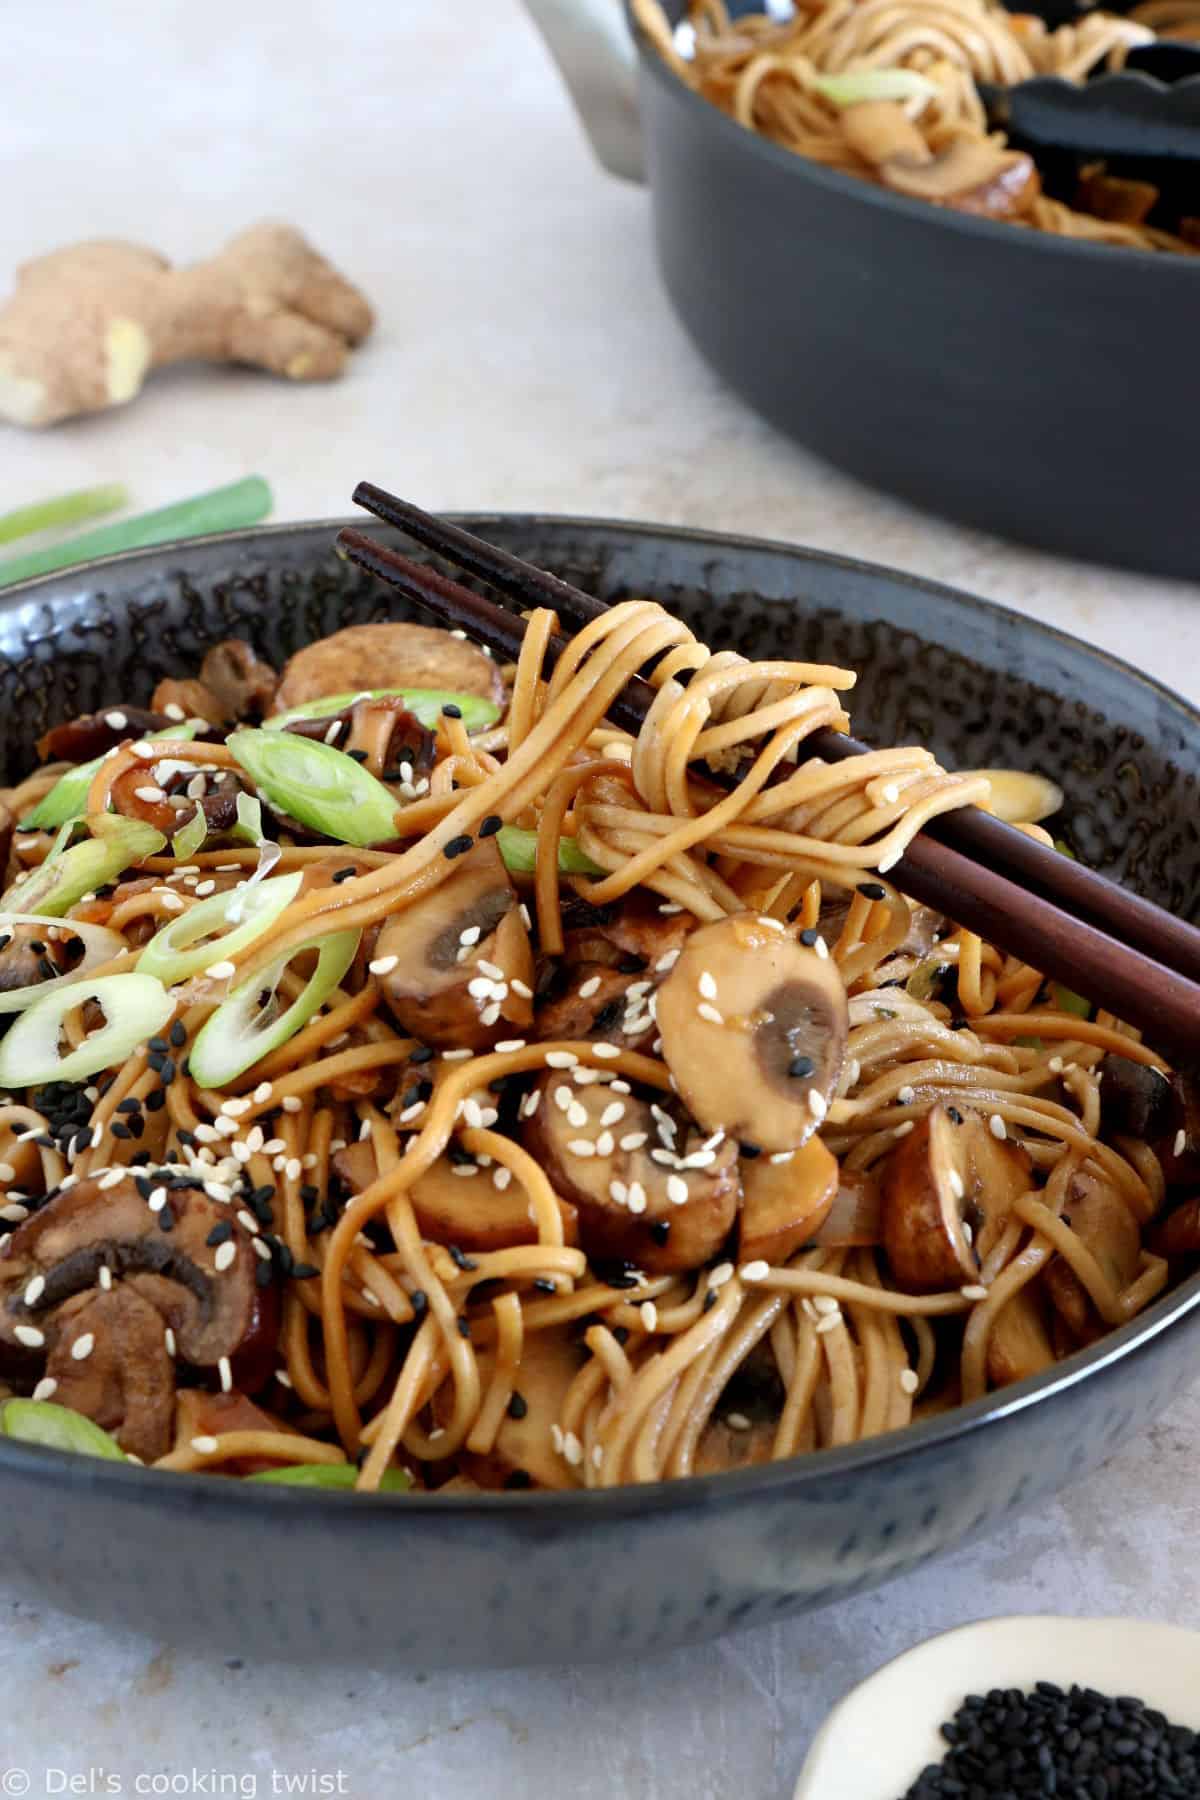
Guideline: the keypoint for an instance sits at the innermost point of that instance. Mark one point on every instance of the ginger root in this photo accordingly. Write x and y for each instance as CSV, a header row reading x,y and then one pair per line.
x,y
88,323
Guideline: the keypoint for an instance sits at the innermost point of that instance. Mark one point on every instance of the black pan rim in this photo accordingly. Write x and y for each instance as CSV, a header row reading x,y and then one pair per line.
x,y
200,1493
1040,243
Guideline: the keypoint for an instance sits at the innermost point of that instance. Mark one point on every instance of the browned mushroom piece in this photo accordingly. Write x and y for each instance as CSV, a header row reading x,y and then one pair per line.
x,y
136,795
29,955
1178,1234
199,1413
465,1210
525,1443
363,657
600,1002
974,175
753,1028
941,1176
90,735
159,1262
241,682
190,700
1139,1102
648,1189
856,1217
1104,1224
784,1204
391,739
1178,1148
459,968
1020,1342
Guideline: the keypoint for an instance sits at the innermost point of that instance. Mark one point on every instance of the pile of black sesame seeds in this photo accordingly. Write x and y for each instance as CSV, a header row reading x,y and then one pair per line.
x,y
1072,1743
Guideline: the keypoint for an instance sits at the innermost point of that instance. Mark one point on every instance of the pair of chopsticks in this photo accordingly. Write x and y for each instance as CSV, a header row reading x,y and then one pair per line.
x,y
1120,951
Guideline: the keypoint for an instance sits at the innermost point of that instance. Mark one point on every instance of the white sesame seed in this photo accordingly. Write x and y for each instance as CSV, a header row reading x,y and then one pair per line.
x,y
649,1313
677,1190
147,752
737,1421
292,1103
46,1388
151,795
224,1127
707,985
501,1178
204,888
597,1456
261,1249
816,1103
479,987
173,711
589,987
758,1270
521,987
910,1381
490,1014
830,1322
955,1183
83,1346
974,1292
383,965
581,1147
618,1191
1055,1065
293,1168
117,720
637,1197
903,1130
556,1437
825,1303
34,1290
106,1279
633,1140
225,1255
1180,1142
613,1114
906,1096
606,1050
226,1374
205,1134
490,968
822,949
997,1127
604,1144
30,1336
710,1013
113,1178
577,1114
615,1087
561,1059
720,1275
572,1449
205,1446
507,1045
169,1341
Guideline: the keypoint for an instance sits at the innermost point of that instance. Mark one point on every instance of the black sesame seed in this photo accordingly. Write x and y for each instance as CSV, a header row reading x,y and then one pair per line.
x,y
420,1302
871,890
137,1125
304,1271
178,1034
346,874
750,1151
955,1114
459,1260
46,968
464,1325
491,825
309,1194
801,1067
166,1071
6,940
518,1406
264,1274
608,1016
157,1043
809,937
621,1333
520,1478
166,1219
140,1156
220,1234
155,1100
458,846
450,711
544,1286
119,1130
422,1054
358,756
660,1230
710,1300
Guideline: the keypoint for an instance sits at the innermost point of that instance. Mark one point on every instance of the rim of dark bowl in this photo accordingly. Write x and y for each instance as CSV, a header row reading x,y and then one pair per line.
x,y
208,1492
1043,243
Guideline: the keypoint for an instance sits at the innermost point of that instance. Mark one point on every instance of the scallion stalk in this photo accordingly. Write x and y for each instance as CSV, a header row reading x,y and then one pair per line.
x,y
317,785
241,1031
58,1428
425,704
518,848
134,1008
65,509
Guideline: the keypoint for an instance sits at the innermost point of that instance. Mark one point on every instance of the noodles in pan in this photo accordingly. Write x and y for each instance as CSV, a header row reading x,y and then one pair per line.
x,y
432,1082
886,90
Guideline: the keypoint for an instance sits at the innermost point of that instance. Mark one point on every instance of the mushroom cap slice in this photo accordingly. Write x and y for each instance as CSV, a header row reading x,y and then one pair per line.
x,y
941,1174
214,1312
467,1211
550,1361
126,1383
1179,1233
680,1218
784,1204
598,1003
438,989
856,1216
388,655
753,1028
1019,1343
1101,1220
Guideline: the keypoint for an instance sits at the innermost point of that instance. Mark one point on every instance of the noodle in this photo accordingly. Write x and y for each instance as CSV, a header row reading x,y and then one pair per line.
x,y
397,1346
781,79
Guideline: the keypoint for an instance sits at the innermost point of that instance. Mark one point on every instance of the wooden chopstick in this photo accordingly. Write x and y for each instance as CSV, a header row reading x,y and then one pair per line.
x,y
976,834
1135,987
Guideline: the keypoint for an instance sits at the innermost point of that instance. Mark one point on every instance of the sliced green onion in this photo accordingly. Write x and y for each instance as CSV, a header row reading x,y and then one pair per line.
x,y
518,848
116,844
189,838
249,819
241,1031
176,952
317,785
1069,1002
425,704
221,509
858,85
67,799
99,946
58,1428
134,1008
65,509
1064,849
329,1475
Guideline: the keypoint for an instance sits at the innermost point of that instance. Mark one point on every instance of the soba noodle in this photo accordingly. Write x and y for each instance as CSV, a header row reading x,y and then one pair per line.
x,y
397,1349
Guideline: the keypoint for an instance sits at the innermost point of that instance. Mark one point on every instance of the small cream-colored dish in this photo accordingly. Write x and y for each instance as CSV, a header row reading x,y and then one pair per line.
x,y
879,1738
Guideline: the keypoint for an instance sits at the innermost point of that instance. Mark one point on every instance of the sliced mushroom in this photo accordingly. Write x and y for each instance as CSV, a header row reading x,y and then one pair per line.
x,y
1178,1234
90,735
1178,1149
974,175
1138,1101
856,1216
125,1382
191,699
243,684
28,954
941,1176
753,1028
391,739
464,1210
784,1204
438,986
550,1361
599,1003
638,1200
1102,1222
377,656
159,1261
742,1430
1019,1343
136,795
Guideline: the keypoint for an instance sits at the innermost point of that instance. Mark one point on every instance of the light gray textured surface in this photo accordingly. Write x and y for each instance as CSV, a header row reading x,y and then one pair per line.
x,y
524,358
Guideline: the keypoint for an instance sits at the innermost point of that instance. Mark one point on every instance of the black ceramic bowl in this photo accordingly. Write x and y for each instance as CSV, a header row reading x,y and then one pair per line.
x,y
512,1578
1038,387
